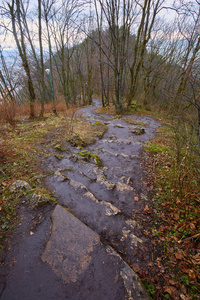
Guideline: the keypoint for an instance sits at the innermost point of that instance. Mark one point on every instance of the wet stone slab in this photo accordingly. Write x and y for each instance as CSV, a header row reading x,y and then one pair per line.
x,y
69,250
90,269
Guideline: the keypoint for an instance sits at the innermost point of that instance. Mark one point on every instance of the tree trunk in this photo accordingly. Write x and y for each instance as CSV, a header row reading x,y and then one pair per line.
x,y
41,59
22,52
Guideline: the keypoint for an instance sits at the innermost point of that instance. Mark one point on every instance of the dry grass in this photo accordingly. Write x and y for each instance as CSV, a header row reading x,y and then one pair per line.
x,y
108,110
12,113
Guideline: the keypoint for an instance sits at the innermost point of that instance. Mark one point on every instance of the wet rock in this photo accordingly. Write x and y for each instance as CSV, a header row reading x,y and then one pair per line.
x,y
109,152
37,200
126,233
59,176
38,177
135,240
132,223
122,187
110,210
124,155
20,186
134,156
112,137
77,185
69,251
132,284
103,181
138,131
129,180
119,126
76,255
101,178
74,158
122,179
91,196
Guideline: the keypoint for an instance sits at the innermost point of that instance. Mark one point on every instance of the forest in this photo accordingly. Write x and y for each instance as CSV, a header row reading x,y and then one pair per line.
x,y
123,51
136,58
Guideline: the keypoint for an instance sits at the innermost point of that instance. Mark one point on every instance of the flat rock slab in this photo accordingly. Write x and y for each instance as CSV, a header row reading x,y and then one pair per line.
x,y
69,250
89,269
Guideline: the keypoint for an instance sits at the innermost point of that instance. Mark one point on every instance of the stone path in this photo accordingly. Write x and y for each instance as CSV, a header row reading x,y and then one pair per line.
x,y
94,236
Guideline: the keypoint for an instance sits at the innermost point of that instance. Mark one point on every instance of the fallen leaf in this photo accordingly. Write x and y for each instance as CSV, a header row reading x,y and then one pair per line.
x,y
191,275
162,215
136,198
146,209
184,268
162,228
176,216
136,266
145,232
31,232
192,226
150,188
170,290
185,297
179,255
151,264
172,282
196,259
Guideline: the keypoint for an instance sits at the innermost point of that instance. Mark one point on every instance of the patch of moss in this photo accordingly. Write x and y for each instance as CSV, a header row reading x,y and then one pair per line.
x,y
155,148
116,117
87,155
58,156
77,141
59,147
134,122
139,131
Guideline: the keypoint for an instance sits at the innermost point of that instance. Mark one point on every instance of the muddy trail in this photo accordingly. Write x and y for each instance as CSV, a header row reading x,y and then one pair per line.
x,y
94,239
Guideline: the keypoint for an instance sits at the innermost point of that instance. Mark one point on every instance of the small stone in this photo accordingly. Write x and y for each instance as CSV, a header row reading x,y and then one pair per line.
x,y
37,200
60,177
122,179
119,126
138,131
20,186
122,187
128,181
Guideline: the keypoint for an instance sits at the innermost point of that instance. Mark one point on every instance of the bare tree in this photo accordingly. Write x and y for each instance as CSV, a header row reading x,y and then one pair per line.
x,y
149,10
62,28
189,22
14,11
119,15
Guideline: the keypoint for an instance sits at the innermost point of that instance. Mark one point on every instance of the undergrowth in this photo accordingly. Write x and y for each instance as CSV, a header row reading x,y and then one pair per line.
x,y
174,184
